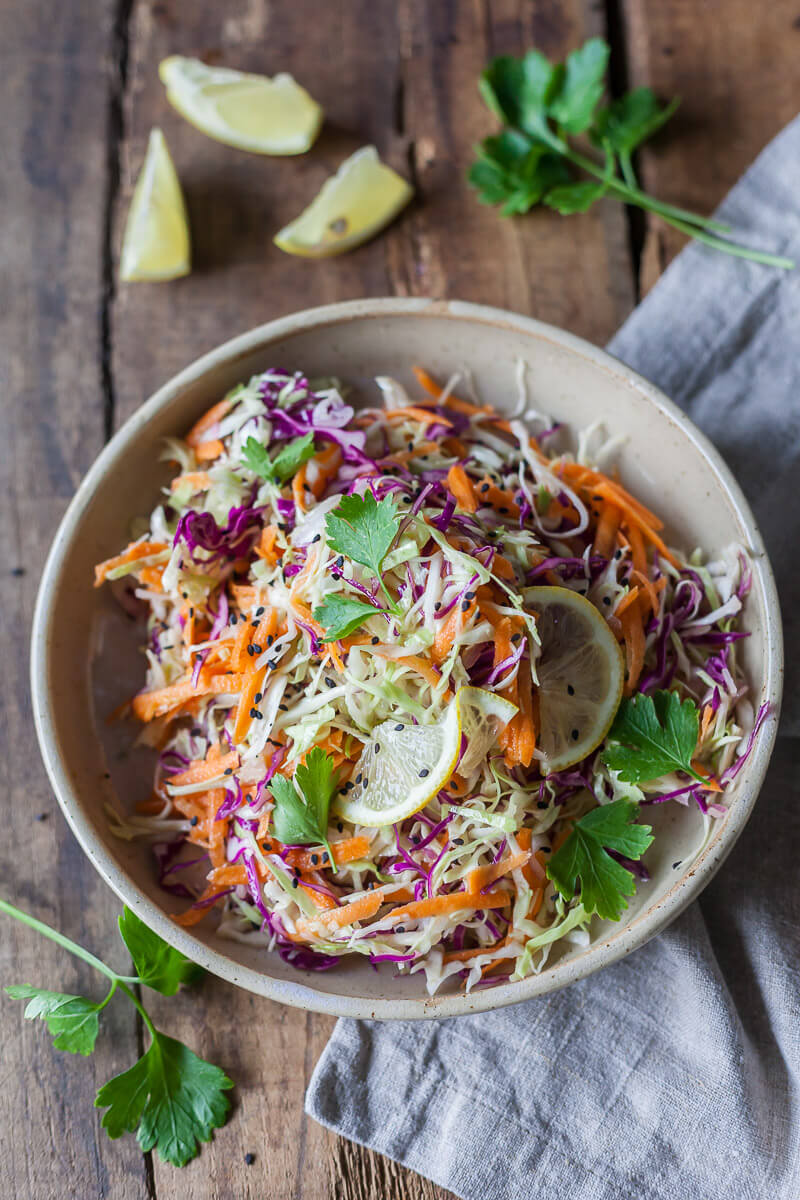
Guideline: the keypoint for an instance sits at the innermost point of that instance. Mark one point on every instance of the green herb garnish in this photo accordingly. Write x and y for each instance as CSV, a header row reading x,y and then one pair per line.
x,y
542,105
170,1098
300,816
340,616
280,468
364,530
651,736
604,883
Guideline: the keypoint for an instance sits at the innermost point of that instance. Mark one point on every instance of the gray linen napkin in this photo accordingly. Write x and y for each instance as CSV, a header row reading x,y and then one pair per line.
x,y
675,1072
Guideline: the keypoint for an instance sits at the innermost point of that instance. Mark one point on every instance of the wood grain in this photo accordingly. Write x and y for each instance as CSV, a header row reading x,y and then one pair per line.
x,y
56,90
737,71
81,353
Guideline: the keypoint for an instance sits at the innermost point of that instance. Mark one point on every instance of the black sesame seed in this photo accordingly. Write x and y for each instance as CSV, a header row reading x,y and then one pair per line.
x,y
546,849
617,554
359,777
503,511
329,682
399,728
325,856
410,445
231,618
424,772
675,865
259,696
515,637
465,605
249,1158
41,816
437,605
17,571
252,712
316,538
259,716
260,610
570,690
377,747
348,787
340,561
484,488
248,799
194,820
574,735
399,928
314,859
283,707
458,841
196,732
295,882
542,804
374,641
340,826
185,595
469,595
606,599
270,639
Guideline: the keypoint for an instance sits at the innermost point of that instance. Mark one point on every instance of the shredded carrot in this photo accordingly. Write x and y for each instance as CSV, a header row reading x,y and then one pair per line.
x,y
481,877
709,782
626,601
707,718
151,578
266,547
241,640
247,703
405,456
459,484
327,463
336,918
419,414
430,386
466,955
606,531
560,838
208,451
448,630
132,553
638,552
207,768
344,851
438,906
500,498
198,481
298,489
633,632
207,421
148,705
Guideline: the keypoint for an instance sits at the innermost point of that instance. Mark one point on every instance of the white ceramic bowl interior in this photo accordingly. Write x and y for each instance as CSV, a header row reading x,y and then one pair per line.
x,y
86,658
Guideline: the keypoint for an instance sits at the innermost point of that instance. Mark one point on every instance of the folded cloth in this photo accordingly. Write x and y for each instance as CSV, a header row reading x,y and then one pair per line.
x,y
675,1072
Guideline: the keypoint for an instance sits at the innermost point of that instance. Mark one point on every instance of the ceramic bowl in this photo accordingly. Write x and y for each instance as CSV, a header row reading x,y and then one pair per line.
x,y
86,660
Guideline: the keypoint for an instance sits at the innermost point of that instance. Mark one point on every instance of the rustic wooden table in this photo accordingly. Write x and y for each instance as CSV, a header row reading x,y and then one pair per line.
x,y
80,352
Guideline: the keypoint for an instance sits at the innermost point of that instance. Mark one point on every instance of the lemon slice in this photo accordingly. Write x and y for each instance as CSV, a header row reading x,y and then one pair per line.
x,y
251,112
352,206
581,673
156,243
403,766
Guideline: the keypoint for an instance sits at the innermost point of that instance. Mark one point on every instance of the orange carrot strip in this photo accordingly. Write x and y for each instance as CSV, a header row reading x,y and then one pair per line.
x,y
208,451
247,702
298,488
430,386
437,906
560,838
198,481
499,498
206,769
633,632
638,552
336,918
606,531
481,877
242,639
132,553
708,716
626,601
148,705
419,414
344,851
207,421
461,487
327,463
151,578
266,548
710,784
405,456
448,630
466,955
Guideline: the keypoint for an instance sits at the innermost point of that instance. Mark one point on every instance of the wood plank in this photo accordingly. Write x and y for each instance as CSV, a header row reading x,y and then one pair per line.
x,y
737,71
402,76
55,78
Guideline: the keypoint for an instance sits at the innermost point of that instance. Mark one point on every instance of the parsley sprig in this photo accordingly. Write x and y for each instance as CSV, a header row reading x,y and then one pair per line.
x,y
170,1098
542,105
300,816
280,468
604,882
653,735
363,529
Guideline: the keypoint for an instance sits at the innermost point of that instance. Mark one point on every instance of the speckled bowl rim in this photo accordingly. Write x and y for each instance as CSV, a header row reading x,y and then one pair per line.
x,y
301,994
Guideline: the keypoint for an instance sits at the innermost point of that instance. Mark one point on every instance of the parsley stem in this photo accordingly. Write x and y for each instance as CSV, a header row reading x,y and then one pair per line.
x,y
140,1008
769,260
635,196
62,941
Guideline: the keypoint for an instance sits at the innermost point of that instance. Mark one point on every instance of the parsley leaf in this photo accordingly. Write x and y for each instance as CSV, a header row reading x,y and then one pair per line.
x,y
280,468
170,1099
158,965
364,530
584,80
300,816
71,1019
532,161
584,855
651,736
340,616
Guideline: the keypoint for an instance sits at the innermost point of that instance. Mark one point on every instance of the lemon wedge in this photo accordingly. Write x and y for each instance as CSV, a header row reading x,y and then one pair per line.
x,y
352,206
156,242
251,112
402,766
581,673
